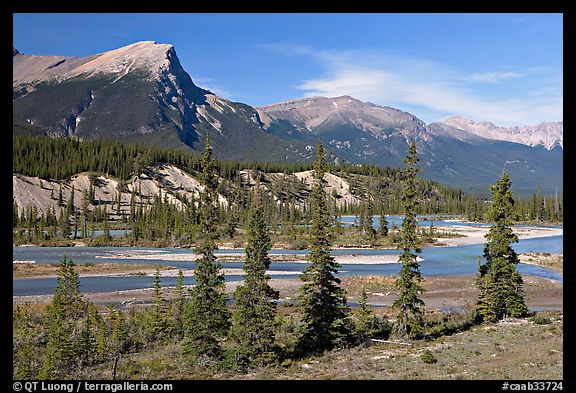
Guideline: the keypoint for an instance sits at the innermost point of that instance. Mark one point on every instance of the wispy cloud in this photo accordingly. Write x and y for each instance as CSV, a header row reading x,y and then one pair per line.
x,y
493,77
441,90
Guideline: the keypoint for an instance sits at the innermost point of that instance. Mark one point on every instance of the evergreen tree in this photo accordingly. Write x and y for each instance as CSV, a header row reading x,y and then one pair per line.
x,y
253,324
499,282
84,212
326,316
119,332
383,225
70,204
364,317
66,307
178,304
408,304
208,319
15,219
64,224
23,343
367,222
158,321
60,198
106,233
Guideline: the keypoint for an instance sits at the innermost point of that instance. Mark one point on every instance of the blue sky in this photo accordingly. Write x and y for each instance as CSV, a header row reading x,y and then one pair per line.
x,y
504,68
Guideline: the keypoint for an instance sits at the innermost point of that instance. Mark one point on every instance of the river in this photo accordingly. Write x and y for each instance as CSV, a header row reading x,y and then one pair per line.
x,y
460,260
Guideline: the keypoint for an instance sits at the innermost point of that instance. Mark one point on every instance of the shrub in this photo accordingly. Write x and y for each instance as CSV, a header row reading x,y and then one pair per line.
x,y
428,357
541,320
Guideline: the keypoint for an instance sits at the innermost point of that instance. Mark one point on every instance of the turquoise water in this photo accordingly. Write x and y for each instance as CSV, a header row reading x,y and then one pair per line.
x,y
436,261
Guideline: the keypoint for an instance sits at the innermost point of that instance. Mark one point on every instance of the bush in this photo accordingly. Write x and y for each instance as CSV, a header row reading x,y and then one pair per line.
x,y
541,320
428,357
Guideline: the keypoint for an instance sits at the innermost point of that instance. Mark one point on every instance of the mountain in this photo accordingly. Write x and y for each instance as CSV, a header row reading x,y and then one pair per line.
x,y
141,94
547,134
355,130
365,132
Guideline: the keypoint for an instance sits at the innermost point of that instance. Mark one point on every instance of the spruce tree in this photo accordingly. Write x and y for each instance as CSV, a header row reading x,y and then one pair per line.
x,y
23,342
408,304
499,282
66,308
383,225
326,319
14,213
364,317
208,319
253,324
178,304
70,204
158,321
60,198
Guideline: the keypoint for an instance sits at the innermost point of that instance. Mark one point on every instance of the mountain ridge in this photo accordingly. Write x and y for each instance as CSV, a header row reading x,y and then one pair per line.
x,y
95,96
546,133
140,93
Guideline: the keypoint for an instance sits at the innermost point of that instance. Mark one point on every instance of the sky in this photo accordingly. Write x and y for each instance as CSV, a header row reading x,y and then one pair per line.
x,y
503,68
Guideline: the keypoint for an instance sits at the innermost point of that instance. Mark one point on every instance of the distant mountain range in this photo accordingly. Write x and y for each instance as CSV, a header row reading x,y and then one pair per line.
x,y
547,134
141,94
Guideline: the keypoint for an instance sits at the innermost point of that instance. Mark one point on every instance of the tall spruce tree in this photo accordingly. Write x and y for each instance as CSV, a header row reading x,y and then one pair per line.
x,y
326,321
499,282
61,315
178,304
408,304
253,323
207,319
383,225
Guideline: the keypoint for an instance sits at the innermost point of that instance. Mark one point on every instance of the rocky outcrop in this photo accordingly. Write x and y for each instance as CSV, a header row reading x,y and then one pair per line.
x,y
174,184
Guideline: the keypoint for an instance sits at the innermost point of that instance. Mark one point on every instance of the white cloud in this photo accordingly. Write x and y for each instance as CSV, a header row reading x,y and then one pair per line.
x,y
493,77
439,89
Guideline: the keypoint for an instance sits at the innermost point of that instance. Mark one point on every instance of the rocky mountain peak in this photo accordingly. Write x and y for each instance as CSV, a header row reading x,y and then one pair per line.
x,y
147,56
547,134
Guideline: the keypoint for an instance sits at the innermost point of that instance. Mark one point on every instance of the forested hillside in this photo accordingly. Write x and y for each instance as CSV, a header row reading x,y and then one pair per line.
x,y
66,187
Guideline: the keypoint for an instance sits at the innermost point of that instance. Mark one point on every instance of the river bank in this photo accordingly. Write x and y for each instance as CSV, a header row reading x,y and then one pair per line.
x,y
476,234
460,235
444,293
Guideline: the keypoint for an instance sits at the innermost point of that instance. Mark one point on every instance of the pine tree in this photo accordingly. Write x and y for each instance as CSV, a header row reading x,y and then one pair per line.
x,y
60,198
15,215
158,321
253,326
119,333
499,282
70,204
367,222
178,304
87,341
326,319
106,233
64,224
23,345
409,305
208,319
84,214
364,317
66,308
383,225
